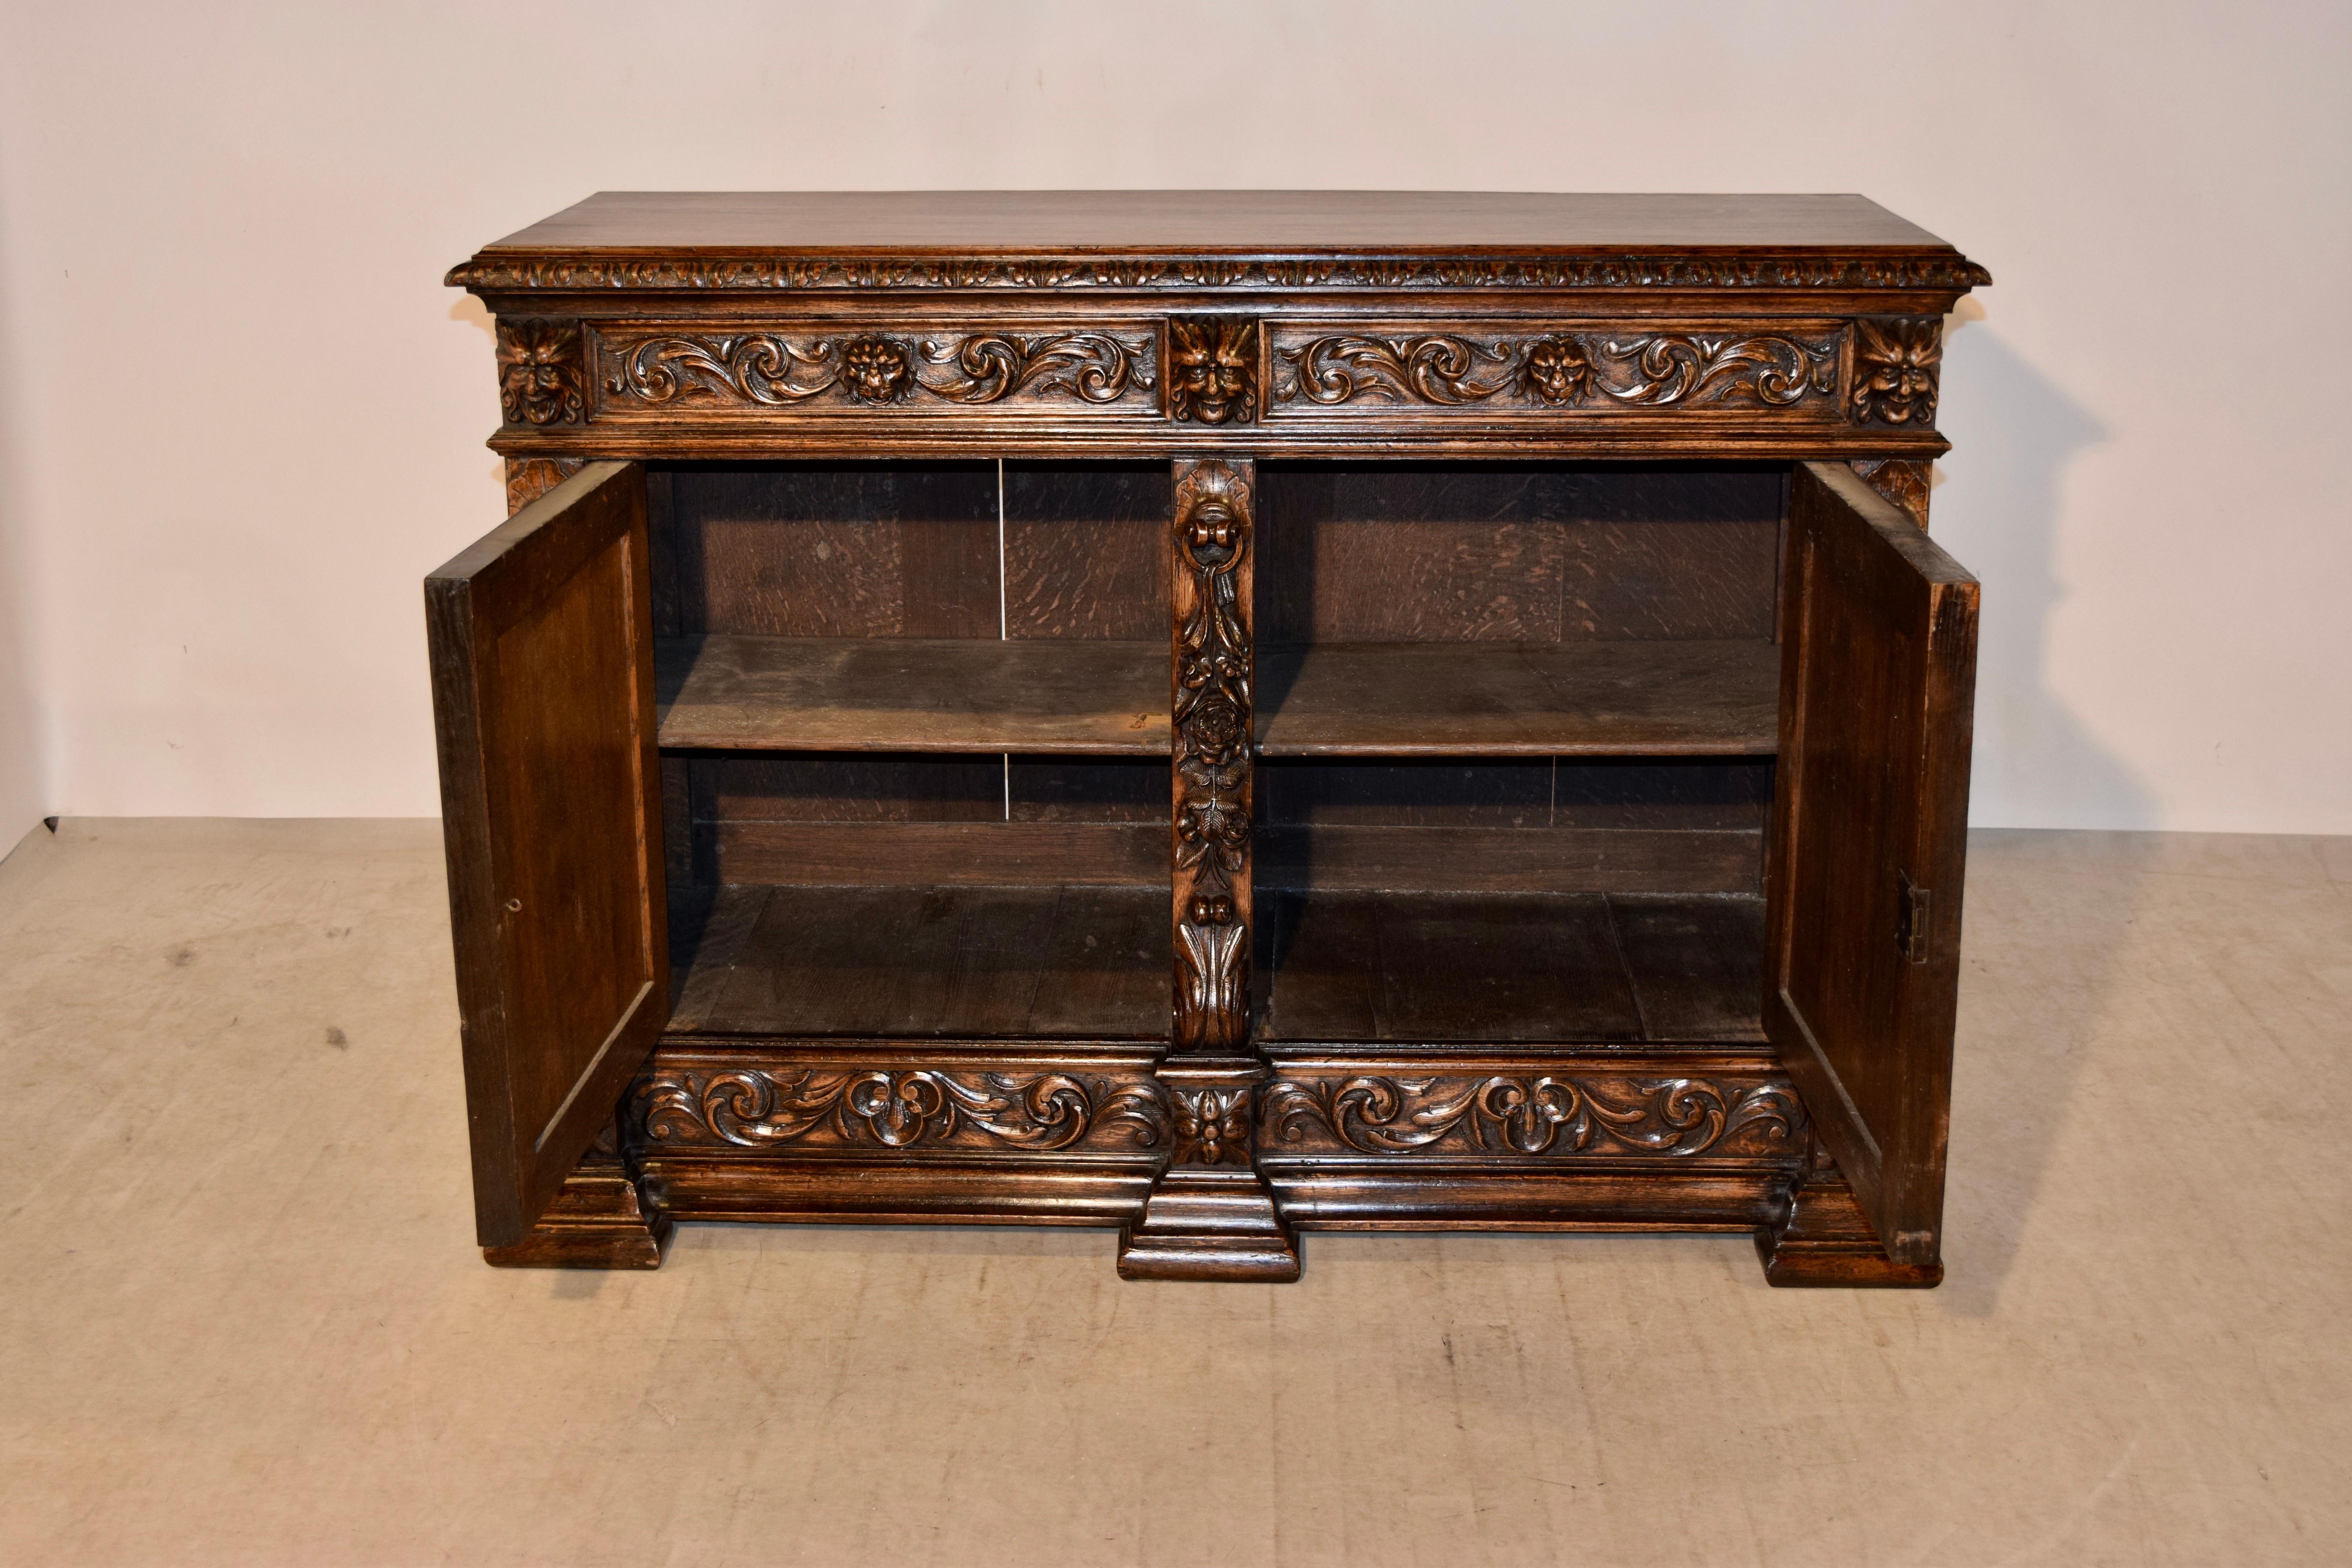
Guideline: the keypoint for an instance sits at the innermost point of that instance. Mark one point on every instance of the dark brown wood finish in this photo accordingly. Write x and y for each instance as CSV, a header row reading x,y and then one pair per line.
x,y
1506,615
542,640
1869,830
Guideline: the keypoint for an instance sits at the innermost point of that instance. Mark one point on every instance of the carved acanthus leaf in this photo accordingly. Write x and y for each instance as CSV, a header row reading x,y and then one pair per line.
x,y
776,370
1212,719
1537,1115
752,1108
1562,370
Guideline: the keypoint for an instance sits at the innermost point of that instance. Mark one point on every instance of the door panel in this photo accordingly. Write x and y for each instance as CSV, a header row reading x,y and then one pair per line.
x,y
1869,839
542,637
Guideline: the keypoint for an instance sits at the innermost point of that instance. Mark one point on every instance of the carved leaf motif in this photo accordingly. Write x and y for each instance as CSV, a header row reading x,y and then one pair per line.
x,y
754,1109
1534,1116
876,370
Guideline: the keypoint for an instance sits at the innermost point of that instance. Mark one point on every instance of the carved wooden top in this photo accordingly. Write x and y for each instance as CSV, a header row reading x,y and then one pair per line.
x,y
1217,240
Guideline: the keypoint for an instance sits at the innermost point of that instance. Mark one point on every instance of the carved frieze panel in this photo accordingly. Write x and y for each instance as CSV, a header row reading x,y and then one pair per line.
x,y
1212,719
542,377
1896,363
664,370
912,1108
1792,371
1531,1116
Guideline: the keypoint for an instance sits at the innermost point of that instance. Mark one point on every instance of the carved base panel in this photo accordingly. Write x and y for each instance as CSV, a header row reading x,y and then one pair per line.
x,y
603,1218
1209,1166
1815,1235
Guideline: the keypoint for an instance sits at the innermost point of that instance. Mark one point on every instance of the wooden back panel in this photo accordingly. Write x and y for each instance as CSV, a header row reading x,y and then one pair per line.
x,y
1868,840
1540,552
543,697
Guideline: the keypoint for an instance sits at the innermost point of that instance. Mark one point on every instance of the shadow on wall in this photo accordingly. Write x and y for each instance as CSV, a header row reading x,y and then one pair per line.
x,y
2018,1055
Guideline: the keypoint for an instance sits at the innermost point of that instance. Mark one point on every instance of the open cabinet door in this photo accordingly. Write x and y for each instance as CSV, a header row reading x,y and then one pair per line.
x,y
1869,838
542,637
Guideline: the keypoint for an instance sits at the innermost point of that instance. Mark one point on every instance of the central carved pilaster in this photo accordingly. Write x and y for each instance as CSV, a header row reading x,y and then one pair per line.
x,y
1212,719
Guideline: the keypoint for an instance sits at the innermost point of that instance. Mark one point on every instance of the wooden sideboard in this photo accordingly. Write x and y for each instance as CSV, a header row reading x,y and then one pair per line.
x,y
1212,714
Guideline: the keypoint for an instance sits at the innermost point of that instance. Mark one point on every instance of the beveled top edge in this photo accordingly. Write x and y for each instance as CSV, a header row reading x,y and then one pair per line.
x,y
1288,223
1214,239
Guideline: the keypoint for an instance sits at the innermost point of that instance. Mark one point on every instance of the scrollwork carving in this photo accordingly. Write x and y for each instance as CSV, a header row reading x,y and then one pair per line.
x,y
752,1108
1562,370
1211,715
542,377
876,369
1896,361
1537,1115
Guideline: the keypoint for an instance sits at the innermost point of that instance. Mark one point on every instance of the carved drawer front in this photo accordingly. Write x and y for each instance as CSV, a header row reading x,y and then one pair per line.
x,y
1536,370
655,371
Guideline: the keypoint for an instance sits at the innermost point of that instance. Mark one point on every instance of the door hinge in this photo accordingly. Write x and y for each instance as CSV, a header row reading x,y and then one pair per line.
x,y
1911,906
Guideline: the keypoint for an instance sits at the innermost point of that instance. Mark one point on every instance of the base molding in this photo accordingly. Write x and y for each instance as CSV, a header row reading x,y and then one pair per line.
x,y
1817,1236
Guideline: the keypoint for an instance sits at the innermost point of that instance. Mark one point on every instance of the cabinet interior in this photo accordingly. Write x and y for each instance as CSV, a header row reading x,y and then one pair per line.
x,y
1515,727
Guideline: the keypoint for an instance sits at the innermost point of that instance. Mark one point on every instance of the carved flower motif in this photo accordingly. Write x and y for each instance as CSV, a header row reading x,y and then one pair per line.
x,y
1213,1126
877,369
1212,370
541,379
1216,728
1556,371
1895,369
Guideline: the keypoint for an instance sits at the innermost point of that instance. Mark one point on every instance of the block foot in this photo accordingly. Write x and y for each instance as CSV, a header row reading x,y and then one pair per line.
x,y
1819,1236
1206,1222
603,1218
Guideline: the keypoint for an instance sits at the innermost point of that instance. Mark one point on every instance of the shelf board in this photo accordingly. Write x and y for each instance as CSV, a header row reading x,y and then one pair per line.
x,y
1514,968
1544,699
904,962
940,695
1110,699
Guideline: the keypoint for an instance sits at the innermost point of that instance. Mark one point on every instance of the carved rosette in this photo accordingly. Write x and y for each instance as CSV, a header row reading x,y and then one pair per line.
x,y
1212,720
774,369
542,374
1213,1125
1535,1116
1212,370
754,1108
1896,361
1565,369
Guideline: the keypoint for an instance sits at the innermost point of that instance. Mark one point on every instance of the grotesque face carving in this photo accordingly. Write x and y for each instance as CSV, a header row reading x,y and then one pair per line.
x,y
540,379
876,369
1895,367
1556,371
1212,369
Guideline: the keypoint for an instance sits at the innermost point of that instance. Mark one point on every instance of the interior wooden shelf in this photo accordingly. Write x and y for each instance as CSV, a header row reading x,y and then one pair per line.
x,y
1337,700
1092,962
1487,968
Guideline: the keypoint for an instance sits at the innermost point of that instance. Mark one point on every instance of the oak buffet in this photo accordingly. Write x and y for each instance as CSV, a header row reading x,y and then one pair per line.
x,y
1212,714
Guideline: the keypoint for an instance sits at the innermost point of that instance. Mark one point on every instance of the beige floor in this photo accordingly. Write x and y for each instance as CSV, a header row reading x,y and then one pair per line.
x,y
240,1320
